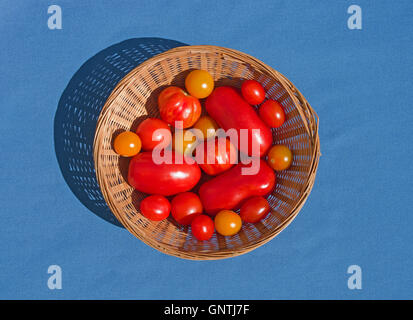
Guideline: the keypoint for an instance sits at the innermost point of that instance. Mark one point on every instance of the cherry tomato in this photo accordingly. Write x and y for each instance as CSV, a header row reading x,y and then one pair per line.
x,y
272,113
207,126
184,142
176,105
185,207
280,157
155,207
146,130
199,83
254,209
253,92
218,158
127,144
227,223
202,227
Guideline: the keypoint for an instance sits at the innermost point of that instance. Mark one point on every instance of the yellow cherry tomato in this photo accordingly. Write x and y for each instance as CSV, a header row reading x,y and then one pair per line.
x,y
280,157
184,141
127,144
199,83
227,222
207,126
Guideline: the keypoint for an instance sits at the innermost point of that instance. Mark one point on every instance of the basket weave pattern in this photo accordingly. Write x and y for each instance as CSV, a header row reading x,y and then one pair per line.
x,y
135,98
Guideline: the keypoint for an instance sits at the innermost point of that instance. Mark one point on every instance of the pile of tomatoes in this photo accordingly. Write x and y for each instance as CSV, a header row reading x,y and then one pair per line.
x,y
168,185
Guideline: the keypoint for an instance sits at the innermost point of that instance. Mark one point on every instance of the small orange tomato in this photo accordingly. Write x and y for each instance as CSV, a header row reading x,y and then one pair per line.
x,y
199,83
227,222
184,142
207,126
127,144
280,157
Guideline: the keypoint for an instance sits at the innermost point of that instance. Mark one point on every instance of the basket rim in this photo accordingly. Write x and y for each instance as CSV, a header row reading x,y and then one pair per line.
x,y
306,112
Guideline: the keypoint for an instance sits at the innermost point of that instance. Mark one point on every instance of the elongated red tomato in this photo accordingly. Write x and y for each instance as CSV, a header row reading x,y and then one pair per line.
x,y
230,110
164,179
231,188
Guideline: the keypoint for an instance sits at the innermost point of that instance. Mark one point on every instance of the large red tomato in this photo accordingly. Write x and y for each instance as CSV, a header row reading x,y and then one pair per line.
x,y
254,209
176,105
155,207
146,131
202,227
185,207
218,159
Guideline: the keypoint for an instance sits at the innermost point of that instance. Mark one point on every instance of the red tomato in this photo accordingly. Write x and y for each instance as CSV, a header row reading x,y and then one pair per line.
x,y
230,111
165,179
146,131
218,159
280,157
252,91
229,189
185,207
202,227
176,105
272,113
155,207
254,209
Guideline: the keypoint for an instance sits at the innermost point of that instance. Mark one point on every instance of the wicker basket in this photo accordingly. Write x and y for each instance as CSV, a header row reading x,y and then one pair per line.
x,y
135,98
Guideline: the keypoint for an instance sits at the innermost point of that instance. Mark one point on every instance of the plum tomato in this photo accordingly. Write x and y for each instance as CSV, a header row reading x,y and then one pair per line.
x,y
185,207
184,142
146,130
279,157
227,222
254,209
253,92
272,113
207,126
155,207
127,144
202,227
176,105
199,83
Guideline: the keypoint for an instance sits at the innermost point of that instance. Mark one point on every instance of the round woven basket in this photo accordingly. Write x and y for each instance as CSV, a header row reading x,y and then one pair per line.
x,y
135,99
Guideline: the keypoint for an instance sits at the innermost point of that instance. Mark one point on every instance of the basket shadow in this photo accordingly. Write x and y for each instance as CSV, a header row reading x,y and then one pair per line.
x,y
79,108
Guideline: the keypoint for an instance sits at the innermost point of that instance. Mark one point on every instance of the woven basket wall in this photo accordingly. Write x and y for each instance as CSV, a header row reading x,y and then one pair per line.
x,y
134,99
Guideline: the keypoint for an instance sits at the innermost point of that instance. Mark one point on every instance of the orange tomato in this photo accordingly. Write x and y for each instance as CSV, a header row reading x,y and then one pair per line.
x,y
184,142
207,126
199,83
227,223
279,157
127,144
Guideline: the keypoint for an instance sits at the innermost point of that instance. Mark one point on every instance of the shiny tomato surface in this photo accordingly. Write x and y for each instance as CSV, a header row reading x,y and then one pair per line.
x,y
155,207
229,189
176,105
164,179
127,144
207,127
227,223
280,157
272,113
218,159
199,83
231,111
202,227
185,207
254,209
151,136
253,92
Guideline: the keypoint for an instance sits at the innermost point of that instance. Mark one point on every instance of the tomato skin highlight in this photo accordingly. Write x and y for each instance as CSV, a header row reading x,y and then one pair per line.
x,y
272,113
146,129
202,227
163,179
127,144
231,188
185,207
230,111
199,83
155,207
280,157
221,158
254,209
253,92
227,223
176,105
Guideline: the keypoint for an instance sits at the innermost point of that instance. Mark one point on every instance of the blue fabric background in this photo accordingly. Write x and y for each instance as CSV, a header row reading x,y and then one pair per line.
x,y
359,212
